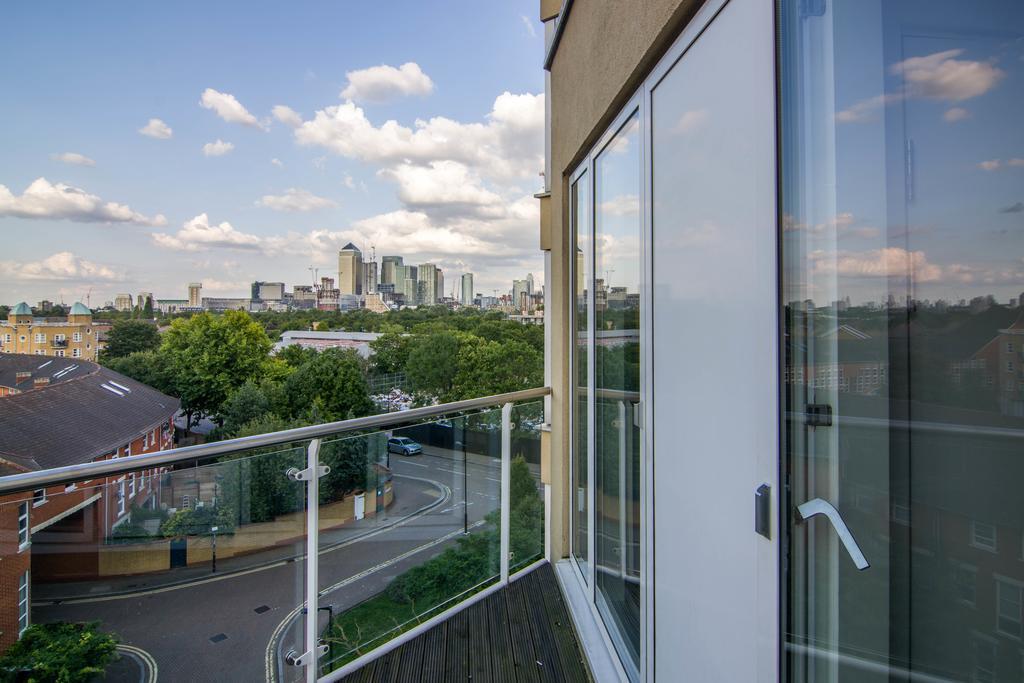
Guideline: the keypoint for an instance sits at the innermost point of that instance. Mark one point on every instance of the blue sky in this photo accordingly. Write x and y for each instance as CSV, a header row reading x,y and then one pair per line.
x,y
448,180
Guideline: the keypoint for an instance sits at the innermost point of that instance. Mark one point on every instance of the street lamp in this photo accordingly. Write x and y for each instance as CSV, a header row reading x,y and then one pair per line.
x,y
213,530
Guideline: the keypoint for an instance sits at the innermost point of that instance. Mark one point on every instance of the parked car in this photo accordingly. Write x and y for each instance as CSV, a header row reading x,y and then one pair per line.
x,y
403,446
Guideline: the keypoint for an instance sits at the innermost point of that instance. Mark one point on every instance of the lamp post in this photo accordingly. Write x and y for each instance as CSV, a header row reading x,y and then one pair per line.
x,y
213,530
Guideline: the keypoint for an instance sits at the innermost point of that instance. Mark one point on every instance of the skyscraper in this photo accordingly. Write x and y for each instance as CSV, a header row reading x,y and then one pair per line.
x,y
529,283
195,294
427,274
387,270
369,277
467,289
520,294
439,288
350,270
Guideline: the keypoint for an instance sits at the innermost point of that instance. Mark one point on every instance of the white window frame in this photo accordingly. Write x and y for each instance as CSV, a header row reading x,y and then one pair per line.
x,y
24,535
978,542
39,500
76,337
120,497
1004,583
76,353
24,601
131,485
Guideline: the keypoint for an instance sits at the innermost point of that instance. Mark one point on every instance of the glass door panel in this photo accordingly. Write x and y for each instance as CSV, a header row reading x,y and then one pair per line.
x,y
902,245
582,266
617,273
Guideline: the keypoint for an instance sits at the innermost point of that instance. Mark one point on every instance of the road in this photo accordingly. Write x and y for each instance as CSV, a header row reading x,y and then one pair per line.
x,y
237,627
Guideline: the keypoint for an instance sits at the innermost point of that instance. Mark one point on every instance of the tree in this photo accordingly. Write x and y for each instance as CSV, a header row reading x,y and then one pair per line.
x,y
149,367
198,521
489,368
332,383
391,351
147,310
433,363
211,356
61,652
130,336
245,404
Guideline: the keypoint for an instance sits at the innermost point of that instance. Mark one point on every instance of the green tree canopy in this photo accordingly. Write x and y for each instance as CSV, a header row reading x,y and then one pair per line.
x,y
433,363
492,368
391,351
332,383
60,651
210,356
130,336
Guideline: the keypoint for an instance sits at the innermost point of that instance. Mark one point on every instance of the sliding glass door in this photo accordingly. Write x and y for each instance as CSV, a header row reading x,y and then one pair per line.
x,y
903,272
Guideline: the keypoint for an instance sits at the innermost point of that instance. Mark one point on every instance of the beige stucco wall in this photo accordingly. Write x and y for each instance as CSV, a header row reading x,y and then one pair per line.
x,y
606,50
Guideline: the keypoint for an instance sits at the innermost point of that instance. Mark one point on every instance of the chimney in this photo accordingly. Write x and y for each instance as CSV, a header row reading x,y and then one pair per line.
x,y
20,377
41,382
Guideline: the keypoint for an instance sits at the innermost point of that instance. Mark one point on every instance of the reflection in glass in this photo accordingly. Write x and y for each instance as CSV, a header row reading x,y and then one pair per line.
x,y
582,275
616,284
903,177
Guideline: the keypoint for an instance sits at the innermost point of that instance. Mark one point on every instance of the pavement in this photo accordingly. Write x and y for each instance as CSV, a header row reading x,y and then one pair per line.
x,y
238,624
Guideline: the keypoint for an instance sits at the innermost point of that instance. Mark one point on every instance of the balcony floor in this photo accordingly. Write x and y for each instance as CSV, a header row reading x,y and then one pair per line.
x,y
522,633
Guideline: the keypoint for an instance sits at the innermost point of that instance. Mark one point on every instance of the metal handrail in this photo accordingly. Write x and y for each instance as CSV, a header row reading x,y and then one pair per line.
x,y
90,470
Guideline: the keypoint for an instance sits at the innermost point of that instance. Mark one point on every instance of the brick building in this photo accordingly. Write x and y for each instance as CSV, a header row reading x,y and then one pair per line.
x,y
59,412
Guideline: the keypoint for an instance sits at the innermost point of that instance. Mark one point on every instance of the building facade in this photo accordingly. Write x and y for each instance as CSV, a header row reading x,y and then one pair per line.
x,y
467,294
350,270
195,294
747,481
77,336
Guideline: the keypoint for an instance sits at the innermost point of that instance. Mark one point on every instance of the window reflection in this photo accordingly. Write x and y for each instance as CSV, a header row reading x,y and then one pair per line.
x,y
582,267
903,183
617,269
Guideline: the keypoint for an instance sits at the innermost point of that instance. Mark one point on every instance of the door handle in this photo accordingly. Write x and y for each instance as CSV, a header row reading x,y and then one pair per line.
x,y
819,506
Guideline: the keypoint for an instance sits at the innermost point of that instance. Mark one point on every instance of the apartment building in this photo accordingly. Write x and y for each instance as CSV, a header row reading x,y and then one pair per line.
x,y
753,483
76,336
56,413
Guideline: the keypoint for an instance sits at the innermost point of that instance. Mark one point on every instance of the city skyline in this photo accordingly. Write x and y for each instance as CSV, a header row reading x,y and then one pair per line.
x,y
212,165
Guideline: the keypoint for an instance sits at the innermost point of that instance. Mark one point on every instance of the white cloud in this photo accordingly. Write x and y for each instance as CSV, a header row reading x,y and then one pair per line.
x,y
60,266
956,114
43,199
1015,162
349,182
217,149
286,115
444,187
887,262
228,108
156,129
509,145
384,82
529,25
198,234
277,162
621,205
940,76
990,165
295,199
74,158
691,121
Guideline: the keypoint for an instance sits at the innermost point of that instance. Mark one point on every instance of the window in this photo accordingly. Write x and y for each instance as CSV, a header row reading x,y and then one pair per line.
x,y
1009,366
23,535
23,603
76,353
131,485
77,337
120,498
965,579
1009,347
984,660
983,535
59,353
1008,607
60,337
40,337
38,497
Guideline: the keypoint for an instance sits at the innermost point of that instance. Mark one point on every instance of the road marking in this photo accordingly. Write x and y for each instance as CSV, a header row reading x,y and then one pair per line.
x,y
446,494
414,464
148,663
271,668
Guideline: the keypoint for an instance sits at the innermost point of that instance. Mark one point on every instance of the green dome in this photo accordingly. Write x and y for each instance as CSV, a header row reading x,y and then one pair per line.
x,y
22,309
80,309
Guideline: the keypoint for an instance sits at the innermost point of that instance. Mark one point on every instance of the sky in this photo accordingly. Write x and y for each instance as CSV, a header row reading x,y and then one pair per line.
x,y
143,147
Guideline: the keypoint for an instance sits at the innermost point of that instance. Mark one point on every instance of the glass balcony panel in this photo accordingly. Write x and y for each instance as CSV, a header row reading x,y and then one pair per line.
x,y
192,569
526,493
424,504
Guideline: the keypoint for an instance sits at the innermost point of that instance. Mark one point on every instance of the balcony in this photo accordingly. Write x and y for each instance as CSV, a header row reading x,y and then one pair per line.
x,y
59,343
347,549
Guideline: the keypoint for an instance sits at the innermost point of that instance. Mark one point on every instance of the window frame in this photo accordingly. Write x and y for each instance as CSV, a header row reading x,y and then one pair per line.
x,y
24,530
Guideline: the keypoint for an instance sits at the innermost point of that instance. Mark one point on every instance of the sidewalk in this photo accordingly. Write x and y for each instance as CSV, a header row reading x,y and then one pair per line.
x,y
411,501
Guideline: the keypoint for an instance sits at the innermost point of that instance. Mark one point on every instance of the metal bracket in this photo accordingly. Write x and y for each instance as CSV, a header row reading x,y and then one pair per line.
x,y
295,474
819,506
306,658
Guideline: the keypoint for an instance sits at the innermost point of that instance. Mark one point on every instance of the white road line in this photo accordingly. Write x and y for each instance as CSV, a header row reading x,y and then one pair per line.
x,y
414,464
153,670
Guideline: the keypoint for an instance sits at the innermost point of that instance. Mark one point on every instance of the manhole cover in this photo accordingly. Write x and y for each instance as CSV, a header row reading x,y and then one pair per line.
x,y
261,609
217,638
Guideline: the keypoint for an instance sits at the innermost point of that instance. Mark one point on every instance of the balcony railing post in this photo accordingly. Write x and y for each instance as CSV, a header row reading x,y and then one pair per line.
x,y
312,565
506,486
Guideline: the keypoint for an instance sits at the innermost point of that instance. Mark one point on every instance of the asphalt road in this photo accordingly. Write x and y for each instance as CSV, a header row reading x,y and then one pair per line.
x,y
237,627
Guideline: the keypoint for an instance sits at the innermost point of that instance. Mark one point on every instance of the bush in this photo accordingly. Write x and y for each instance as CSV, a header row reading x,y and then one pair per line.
x,y
61,652
129,532
198,522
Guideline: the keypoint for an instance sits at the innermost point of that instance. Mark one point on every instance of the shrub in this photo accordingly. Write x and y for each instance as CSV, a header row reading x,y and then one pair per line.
x,y
61,652
129,532
198,522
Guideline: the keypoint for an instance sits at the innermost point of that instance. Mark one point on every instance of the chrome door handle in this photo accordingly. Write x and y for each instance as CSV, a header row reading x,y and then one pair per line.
x,y
819,506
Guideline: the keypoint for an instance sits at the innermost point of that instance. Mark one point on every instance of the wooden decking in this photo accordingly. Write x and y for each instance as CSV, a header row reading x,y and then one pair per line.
x,y
522,633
